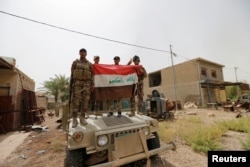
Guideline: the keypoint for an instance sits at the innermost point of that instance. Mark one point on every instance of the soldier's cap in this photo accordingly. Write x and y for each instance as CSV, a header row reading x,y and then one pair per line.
x,y
116,58
96,57
82,50
136,58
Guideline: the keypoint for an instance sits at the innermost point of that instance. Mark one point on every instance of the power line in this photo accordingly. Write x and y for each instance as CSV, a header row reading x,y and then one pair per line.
x,y
78,32
240,70
244,72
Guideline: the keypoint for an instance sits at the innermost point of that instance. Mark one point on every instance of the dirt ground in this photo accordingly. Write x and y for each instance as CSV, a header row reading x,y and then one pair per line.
x,y
47,148
40,149
184,156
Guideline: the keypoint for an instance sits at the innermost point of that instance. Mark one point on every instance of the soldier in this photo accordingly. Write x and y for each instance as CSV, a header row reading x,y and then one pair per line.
x,y
96,59
141,73
111,102
95,102
81,84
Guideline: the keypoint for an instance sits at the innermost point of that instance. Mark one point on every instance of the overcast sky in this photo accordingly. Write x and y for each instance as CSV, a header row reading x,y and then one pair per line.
x,y
216,30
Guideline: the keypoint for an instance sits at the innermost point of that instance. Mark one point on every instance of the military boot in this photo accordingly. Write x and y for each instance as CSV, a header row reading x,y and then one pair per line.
x,y
83,120
119,114
139,111
74,122
110,114
131,114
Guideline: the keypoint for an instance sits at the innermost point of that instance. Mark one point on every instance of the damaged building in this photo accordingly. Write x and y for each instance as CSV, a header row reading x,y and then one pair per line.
x,y
197,80
17,97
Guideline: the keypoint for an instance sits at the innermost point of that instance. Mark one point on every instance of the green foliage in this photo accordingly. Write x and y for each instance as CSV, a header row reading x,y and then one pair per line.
x,y
192,130
239,125
246,143
194,119
231,92
57,86
203,139
167,133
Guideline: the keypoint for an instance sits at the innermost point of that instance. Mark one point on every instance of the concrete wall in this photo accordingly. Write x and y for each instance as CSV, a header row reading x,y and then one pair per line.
x,y
15,80
209,68
188,77
42,101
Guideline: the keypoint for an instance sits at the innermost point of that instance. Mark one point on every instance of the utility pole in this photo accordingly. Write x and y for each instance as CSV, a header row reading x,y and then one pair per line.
x,y
238,88
176,107
235,68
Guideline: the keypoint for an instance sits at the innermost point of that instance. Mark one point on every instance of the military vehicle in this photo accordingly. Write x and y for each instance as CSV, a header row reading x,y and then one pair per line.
x,y
114,141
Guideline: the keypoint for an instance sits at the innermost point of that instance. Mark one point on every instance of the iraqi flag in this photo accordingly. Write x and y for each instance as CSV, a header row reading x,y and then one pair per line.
x,y
115,81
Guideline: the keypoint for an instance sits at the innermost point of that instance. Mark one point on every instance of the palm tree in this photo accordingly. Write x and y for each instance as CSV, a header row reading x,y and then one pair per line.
x,y
57,86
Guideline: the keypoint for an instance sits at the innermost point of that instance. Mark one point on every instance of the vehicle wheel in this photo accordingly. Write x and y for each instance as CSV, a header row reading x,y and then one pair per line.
x,y
153,143
75,158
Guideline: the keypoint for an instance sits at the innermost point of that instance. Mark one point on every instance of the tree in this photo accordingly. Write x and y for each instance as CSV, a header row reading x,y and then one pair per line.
x,y
57,86
231,92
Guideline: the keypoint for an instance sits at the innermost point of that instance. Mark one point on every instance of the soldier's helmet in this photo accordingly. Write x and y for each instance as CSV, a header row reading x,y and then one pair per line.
x,y
136,58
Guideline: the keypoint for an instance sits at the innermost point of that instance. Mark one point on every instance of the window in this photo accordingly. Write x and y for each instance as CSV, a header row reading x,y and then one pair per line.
x,y
154,79
204,71
213,73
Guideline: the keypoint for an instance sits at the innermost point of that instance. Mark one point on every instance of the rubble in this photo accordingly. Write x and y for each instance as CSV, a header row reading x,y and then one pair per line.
x,y
237,106
188,105
39,128
23,156
41,152
191,113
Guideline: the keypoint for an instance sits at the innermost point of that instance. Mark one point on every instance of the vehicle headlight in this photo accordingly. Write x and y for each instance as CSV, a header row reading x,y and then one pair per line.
x,y
102,140
146,131
78,136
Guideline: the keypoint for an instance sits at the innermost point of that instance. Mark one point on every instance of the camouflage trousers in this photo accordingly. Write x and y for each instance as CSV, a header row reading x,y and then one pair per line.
x,y
139,93
119,105
93,102
80,97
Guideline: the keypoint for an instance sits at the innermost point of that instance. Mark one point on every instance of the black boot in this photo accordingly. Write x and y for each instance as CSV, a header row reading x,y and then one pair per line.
x,y
119,113
110,114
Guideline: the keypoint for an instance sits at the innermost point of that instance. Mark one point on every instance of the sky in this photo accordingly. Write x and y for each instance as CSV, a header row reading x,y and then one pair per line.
x,y
216,30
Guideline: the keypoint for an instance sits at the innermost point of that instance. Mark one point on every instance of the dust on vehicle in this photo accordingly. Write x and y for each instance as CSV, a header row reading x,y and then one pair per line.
x,y
114,141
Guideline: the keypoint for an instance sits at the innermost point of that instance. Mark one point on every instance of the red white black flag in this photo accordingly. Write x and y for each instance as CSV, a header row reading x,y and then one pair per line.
x,y
115,81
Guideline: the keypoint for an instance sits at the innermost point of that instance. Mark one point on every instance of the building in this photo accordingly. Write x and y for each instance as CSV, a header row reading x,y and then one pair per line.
x,y
197,80
13,83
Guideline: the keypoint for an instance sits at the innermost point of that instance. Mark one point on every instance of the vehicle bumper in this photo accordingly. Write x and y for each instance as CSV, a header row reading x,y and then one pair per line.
x,y
137,157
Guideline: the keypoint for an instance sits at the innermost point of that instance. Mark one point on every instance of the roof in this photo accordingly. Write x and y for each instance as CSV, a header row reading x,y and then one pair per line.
x,y
199,59
224,83
207,61
4,64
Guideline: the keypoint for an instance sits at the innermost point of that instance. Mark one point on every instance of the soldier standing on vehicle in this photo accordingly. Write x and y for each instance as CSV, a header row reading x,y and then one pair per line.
x,y
81,84
141,73
93,101
119,102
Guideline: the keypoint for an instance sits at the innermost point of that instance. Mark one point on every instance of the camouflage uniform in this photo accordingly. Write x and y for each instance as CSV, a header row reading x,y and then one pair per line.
x,y
119,101
111,106
95,103
81,82
141,73
139,92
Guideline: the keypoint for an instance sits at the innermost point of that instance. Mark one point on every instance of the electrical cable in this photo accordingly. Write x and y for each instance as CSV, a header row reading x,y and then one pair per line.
x,y
78,32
